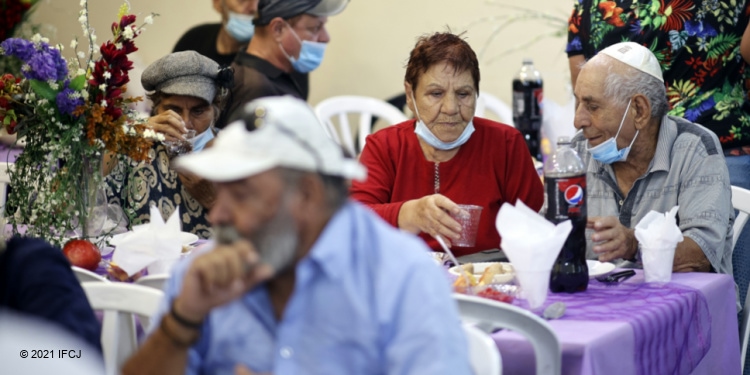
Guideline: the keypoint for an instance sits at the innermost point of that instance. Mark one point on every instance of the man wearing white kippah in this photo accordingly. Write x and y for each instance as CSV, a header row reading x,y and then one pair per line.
x,y
640,159
302,280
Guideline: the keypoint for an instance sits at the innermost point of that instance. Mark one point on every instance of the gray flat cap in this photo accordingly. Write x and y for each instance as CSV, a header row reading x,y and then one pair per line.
x,y
182,73
270,9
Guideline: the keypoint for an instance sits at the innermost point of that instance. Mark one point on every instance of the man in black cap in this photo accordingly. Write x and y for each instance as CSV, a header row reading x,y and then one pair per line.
x,y
290,38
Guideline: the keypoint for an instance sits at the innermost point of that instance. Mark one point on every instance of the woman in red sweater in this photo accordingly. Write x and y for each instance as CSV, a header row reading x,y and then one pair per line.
x,y
421,169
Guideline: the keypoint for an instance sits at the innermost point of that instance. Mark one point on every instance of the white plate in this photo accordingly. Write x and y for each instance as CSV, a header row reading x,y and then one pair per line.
x,y
479,269
597,268
186,238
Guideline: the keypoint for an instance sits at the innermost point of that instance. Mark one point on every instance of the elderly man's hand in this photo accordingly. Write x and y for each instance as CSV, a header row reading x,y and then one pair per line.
x,y
218,277
612,240
430,215
168,123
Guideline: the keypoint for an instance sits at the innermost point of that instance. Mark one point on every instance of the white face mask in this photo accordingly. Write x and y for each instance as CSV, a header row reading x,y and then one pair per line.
x,y
432,140
607,151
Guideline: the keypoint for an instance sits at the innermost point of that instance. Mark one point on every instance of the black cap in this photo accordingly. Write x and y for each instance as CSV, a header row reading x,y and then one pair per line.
x,y
270,9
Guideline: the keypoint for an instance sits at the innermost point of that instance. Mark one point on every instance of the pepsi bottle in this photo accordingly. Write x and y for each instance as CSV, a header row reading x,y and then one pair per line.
x,y
565,196
527,110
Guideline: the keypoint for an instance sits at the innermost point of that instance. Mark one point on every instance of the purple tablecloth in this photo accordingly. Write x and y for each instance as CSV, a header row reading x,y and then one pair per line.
x,y
9,154
687,326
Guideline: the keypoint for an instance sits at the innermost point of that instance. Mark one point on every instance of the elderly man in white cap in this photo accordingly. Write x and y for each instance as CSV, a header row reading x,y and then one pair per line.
x,y
302,280
640,159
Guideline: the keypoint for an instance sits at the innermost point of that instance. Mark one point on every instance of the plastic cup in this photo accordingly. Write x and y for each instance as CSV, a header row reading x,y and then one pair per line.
x,y
657,264
179,147
468,218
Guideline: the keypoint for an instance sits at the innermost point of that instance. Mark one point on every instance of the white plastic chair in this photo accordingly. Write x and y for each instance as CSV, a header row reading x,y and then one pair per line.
x,y
483,355
490,103
741,202
156,281
120,302
84,275
5,169
547,349
367,108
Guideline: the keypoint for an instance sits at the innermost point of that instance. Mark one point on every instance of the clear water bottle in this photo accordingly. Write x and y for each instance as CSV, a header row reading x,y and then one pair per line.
x,y
565,195
527,111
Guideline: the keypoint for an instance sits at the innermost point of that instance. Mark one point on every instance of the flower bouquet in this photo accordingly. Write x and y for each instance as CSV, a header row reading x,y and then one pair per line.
x,y
71,114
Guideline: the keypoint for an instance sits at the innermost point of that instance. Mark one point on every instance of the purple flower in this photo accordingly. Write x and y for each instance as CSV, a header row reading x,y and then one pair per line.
x,y
20,48
698,28
45,63
67,100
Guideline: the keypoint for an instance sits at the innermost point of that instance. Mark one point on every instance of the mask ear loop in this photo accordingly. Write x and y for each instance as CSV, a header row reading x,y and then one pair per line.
x,y
623,119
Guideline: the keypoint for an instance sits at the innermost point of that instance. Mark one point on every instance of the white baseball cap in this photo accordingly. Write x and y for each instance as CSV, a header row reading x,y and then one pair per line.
x,y
637,56
288,135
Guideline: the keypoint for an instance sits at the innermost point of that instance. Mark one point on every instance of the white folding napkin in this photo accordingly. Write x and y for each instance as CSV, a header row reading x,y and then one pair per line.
x,y
156,245
658,235
532,244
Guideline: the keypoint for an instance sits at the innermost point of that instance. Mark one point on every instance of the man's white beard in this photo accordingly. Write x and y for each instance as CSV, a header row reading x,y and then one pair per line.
x,y
277,240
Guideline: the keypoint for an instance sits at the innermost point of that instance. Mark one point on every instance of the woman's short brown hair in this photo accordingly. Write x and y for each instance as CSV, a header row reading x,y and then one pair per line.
x,y
441,47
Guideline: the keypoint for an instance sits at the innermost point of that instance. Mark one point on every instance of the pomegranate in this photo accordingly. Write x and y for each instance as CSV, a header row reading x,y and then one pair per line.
x,y
82,253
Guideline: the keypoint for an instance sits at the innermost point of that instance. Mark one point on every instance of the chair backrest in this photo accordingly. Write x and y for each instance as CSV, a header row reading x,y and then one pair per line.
x,y
156,281
84,275
5,169
483,355
547,349
120,302
741,202
490,103
367,108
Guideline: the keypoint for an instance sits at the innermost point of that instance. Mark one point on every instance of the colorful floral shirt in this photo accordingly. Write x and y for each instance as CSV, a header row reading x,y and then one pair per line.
x,y
697,43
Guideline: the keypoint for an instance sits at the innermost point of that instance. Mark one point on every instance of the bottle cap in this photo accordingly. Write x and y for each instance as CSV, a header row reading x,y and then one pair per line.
x,y
528,61
564,140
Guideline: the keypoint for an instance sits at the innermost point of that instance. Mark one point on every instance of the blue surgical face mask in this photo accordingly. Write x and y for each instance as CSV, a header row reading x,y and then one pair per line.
x,y
240,26
607,151
310,54
427,136
200,140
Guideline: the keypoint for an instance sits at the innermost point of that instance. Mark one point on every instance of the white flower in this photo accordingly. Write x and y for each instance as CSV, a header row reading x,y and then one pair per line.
x,y
83,3
85,95
80,72
80,54
107,75
103,87
104,103
128,33
91,64
149,19
82,19
36,38
73,43
93,39
85,32
53,85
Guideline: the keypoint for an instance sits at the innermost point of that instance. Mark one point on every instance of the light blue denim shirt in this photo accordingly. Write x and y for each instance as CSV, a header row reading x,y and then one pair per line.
x,y
688,169
368,299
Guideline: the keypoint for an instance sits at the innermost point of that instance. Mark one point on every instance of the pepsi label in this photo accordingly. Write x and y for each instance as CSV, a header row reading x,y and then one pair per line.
x,y
566,197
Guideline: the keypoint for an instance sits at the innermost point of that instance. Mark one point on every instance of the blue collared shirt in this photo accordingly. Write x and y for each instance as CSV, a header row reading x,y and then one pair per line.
x,y
368,299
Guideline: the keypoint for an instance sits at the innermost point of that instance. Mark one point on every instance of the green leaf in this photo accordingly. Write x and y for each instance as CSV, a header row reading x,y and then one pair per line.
x,y
42,89
78,82
721,44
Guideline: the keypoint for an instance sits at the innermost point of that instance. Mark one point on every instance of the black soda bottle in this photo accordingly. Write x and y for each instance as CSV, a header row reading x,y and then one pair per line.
x,y
527,111
565,195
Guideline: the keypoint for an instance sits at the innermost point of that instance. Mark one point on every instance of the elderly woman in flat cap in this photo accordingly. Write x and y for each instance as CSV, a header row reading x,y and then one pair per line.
x,y
187,91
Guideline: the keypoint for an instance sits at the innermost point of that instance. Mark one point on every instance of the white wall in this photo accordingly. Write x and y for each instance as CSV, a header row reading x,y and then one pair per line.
x,y
370,42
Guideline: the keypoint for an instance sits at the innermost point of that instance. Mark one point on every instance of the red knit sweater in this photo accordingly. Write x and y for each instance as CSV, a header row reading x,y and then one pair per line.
x,y
494,166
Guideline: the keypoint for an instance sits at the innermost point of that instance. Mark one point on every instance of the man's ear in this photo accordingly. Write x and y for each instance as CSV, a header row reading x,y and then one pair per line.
x,y
642,107
217,7
276,26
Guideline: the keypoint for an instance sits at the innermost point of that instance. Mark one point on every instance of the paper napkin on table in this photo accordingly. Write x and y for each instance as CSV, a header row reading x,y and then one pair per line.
x,y
532,244
658,235
156,245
